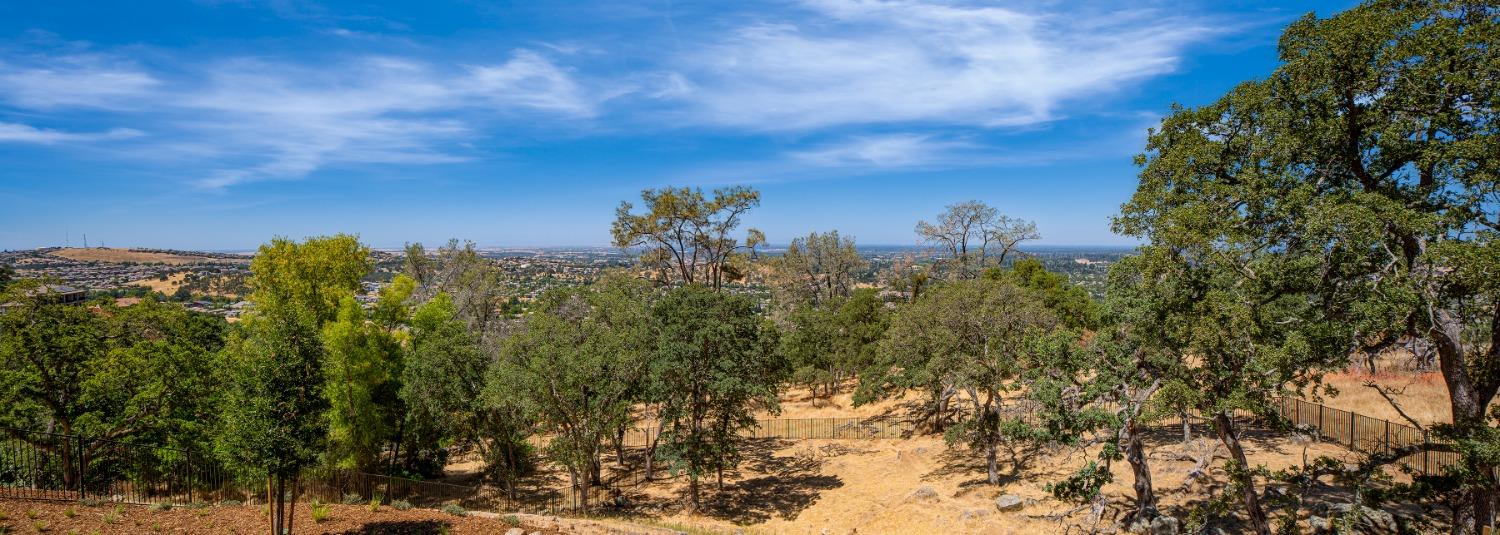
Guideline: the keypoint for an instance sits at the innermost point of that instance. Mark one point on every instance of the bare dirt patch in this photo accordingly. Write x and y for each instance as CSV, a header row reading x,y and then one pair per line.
x,y
54,517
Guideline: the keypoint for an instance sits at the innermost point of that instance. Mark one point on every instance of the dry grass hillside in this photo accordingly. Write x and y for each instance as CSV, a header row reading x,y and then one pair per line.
x,y
102,254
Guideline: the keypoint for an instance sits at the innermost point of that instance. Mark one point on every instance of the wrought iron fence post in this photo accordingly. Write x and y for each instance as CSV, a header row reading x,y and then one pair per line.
x,y
82,466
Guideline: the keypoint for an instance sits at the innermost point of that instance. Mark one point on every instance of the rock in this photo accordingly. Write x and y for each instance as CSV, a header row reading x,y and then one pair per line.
x,y
1009,502
515,531
1319,525
1164,525
1367,520
1159,525
924,492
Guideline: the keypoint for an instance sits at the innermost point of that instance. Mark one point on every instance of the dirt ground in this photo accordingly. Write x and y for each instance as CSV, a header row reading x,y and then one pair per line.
x,y
17,516
917,484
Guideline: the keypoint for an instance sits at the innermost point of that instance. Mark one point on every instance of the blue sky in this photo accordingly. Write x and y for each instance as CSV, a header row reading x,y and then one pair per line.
x,y
219,124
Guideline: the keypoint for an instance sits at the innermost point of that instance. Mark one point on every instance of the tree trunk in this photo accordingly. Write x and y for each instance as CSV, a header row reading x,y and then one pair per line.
x,y
291,516
278,507
719,485
651,456
991,456
693,490
1135,454
620,446
1253,510
1187,427
1469,403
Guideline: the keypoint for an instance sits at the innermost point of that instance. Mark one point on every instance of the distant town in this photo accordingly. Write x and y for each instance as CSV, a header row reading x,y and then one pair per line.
x,y
215,282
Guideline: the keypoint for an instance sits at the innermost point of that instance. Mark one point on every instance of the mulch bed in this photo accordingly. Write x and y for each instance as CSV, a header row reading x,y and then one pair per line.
x,y
22,516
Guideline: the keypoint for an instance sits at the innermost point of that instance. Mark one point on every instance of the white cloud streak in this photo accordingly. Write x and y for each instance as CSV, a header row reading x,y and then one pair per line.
x,y
893,61
21,133
251,120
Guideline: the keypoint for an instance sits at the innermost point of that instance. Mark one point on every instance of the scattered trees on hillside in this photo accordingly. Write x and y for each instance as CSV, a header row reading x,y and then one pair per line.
x,y
971,232
714,365
686,237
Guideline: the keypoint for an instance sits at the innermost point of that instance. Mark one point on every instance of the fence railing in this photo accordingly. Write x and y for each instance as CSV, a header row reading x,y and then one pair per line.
x,y
1365,434
800,428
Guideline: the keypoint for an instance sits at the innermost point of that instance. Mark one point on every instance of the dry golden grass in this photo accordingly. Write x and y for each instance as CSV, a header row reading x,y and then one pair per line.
x,y
101,254
917,484
1422,395
167,287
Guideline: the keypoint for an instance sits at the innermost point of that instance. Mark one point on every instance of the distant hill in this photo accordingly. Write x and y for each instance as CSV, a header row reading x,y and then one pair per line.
x,y
144,256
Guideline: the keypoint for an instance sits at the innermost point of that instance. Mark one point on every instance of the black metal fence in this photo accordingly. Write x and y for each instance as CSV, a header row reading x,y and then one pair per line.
x,y
55,466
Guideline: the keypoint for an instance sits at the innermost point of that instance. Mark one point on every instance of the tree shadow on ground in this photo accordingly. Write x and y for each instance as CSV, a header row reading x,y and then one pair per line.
x,y
1016,458
401,527
791,483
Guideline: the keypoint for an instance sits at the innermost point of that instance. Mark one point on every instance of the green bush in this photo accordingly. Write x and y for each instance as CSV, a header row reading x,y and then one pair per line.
x,y
401,505
353,499
320,512
455,510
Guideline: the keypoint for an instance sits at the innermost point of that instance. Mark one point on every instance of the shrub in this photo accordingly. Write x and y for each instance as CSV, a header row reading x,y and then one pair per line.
x,y
229,503
91,502
401,505
111,518
163,506
320,512
455,510
511,519
353,499
374,504
69,512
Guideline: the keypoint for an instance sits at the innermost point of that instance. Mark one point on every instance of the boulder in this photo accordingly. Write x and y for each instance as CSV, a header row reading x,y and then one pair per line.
x,y
924,492
1159,525
1009,502
515,531
1366,520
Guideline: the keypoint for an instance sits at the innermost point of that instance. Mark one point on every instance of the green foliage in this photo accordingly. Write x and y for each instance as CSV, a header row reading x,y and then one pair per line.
x,y
1083,485
362,359
307,279
320,512
274,411
442,384
830,341
118,374
685,237
400,505
1072,303
455,510
577,367
816,268
1345,201
714,365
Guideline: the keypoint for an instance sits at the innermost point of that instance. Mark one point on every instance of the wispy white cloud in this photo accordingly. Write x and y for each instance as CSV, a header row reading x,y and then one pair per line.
x,y
247,119
21,133
888,61
883,151
81,80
